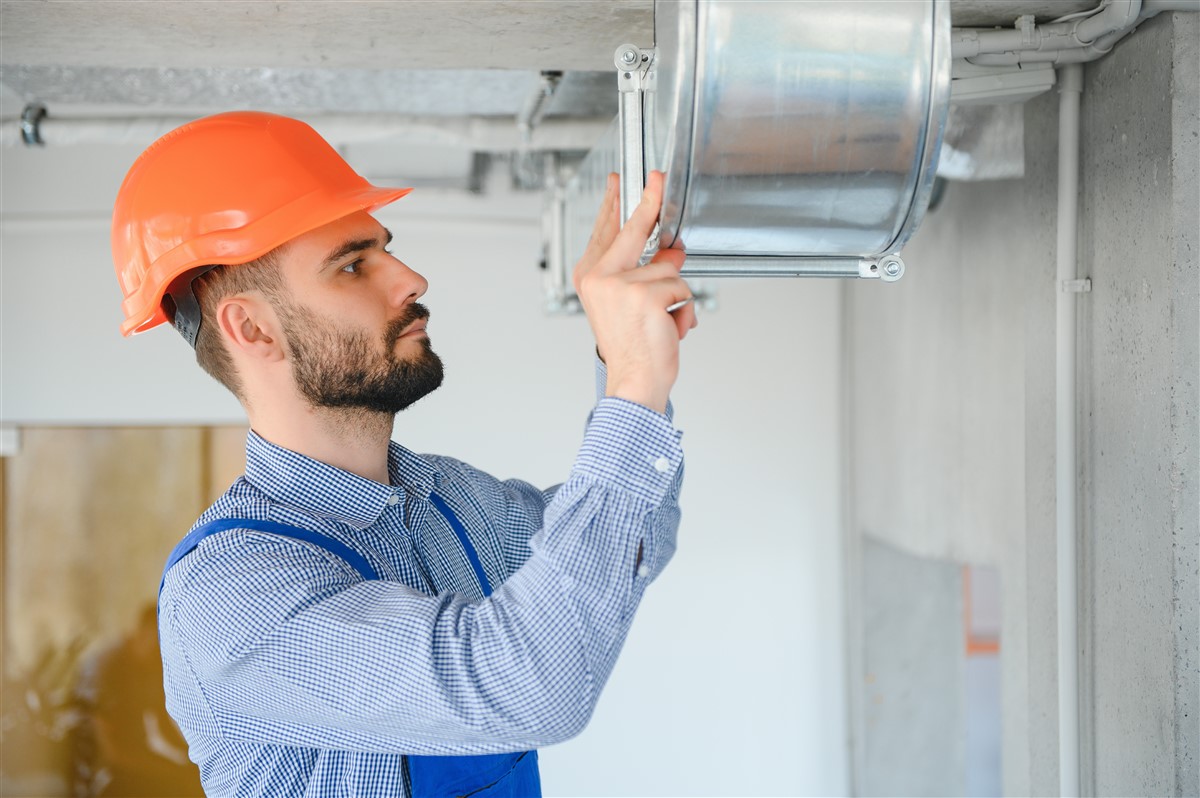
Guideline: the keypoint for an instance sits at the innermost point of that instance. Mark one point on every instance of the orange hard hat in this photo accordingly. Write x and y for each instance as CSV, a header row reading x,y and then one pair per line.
x,y
226,189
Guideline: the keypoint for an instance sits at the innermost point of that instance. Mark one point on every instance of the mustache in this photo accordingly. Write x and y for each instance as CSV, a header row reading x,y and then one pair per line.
x,y
397,327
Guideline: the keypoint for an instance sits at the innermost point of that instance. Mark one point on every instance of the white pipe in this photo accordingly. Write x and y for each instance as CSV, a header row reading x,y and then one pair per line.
x,y
487,134
1061,43
1078,55
1070,88
1115,16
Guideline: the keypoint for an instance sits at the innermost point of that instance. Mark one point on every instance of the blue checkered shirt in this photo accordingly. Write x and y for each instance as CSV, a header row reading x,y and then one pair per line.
x,y
291,675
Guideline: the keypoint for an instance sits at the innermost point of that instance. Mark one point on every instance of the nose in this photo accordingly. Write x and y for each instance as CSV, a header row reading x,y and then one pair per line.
x,y
404,284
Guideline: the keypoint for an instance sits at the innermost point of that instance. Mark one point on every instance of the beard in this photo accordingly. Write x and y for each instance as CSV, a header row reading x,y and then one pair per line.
x,y
337,368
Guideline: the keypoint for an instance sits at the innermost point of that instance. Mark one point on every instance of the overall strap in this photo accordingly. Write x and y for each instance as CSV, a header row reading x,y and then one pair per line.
x,y
192,540
461,532
513,775
355,560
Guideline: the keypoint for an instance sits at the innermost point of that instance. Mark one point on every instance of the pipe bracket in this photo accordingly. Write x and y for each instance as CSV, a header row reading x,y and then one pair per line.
x,y
31,124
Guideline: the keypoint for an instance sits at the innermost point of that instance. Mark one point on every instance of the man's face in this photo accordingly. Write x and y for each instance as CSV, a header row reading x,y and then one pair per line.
x,y
338,366
355,332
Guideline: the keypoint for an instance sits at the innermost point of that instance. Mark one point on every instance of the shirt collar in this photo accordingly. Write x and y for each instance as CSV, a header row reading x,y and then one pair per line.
x,y
294,479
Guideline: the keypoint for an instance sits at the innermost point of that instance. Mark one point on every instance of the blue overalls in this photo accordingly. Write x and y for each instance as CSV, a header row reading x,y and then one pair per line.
x,y
512,775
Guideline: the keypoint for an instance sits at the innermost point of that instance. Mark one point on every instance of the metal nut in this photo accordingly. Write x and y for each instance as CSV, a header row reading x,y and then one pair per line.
x,y
891,268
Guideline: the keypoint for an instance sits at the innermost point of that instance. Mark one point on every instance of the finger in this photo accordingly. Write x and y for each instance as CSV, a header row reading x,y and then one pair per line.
x,y
603,230
611,223
673,257
685,319
642,220
610,192
628,245
667,265
666,293
666,270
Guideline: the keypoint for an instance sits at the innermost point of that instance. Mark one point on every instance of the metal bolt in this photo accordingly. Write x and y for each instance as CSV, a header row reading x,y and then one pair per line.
x,y
629,57
892,268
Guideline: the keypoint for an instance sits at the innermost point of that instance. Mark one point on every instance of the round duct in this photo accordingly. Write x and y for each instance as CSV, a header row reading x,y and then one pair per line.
x,y
796,129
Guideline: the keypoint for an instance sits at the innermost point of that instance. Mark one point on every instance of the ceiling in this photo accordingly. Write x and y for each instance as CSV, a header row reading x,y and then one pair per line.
x,y
460,68
564,35
408,57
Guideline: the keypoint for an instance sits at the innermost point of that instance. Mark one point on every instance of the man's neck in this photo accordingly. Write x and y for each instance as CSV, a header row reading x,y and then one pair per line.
x,y
352,440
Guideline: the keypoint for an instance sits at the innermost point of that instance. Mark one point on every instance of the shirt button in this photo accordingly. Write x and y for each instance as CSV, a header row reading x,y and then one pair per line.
x,y
662,465
393,500
643,570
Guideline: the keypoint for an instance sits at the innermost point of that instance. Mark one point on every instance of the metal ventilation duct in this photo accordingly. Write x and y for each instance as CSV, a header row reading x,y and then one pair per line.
x,y
797,138
796,129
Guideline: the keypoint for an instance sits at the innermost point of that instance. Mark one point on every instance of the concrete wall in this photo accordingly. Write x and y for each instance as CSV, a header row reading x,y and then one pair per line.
x,y
914,645
1139,373
951,427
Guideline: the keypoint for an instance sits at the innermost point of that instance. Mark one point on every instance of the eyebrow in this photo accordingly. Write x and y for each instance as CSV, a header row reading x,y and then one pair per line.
x,y
357,245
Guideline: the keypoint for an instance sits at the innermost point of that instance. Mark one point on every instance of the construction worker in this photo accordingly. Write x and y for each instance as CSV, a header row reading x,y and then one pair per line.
x,y
351,618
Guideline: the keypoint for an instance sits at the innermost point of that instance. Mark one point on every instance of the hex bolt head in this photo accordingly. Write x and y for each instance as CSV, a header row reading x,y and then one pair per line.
x,y
629,57
892,268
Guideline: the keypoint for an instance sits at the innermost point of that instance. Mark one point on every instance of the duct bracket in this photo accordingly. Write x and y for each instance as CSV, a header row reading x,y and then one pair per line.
x,y
633,68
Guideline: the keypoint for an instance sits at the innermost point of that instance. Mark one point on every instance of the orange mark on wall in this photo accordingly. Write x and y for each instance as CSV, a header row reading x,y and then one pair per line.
x,y
977,644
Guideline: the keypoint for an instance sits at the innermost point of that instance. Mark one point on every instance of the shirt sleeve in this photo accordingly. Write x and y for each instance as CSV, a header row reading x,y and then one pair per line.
x,y
523,504
292,651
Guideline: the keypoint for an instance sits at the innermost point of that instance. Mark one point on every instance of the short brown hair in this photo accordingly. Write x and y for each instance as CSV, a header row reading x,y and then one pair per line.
x,y
210,288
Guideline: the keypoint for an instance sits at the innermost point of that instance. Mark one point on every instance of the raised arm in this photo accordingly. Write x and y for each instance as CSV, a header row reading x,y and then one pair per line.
x,y
626,304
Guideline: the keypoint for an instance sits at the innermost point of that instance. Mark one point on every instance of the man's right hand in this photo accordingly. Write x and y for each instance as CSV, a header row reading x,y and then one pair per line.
x,y
626,304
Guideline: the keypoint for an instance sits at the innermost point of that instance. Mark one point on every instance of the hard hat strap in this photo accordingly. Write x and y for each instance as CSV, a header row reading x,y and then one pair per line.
x,y
182,309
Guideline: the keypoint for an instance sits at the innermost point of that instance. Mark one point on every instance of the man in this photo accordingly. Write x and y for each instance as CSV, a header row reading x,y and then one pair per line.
x,y
351,618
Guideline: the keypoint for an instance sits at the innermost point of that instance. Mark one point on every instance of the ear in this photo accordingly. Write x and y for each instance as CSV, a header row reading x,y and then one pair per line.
x,y
249,325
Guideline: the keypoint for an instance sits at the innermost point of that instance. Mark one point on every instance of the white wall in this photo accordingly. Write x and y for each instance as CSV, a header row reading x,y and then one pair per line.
x,y
732,679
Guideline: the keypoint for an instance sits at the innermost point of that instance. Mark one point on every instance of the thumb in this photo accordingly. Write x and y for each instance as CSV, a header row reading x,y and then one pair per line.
x,y
629,243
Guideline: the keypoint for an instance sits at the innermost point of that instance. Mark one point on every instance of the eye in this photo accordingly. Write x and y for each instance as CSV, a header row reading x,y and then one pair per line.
x,y
352,267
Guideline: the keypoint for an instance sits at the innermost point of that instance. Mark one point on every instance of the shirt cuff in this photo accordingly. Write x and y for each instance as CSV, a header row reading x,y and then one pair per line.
x,y
631,447
601,377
